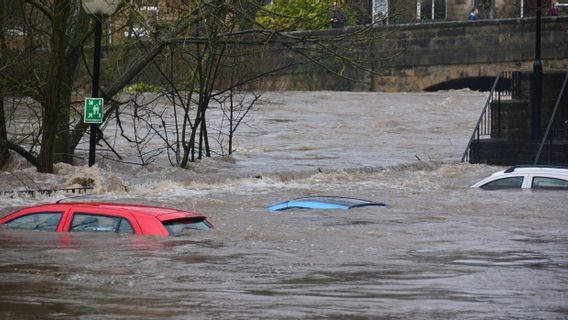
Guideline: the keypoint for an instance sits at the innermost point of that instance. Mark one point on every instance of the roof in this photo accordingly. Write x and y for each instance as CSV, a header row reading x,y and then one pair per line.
x,y
324,202
538,168
133,208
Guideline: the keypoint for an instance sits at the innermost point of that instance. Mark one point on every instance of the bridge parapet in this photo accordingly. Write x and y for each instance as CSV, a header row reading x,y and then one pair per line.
x,y
437,52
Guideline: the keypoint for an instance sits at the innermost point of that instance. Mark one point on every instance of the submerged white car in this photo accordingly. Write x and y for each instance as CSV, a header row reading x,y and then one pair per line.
x,y
527,177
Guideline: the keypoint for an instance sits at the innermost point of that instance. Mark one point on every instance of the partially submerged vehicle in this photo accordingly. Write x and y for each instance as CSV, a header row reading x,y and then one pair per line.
x,y
106,218
527,177
324,202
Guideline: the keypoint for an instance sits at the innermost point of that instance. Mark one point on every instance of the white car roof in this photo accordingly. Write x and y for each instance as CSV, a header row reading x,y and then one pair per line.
x,y
550,171
537,169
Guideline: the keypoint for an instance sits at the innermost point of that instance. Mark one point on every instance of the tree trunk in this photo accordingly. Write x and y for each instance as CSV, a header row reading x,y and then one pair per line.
x,y
55,75
4,154
63,141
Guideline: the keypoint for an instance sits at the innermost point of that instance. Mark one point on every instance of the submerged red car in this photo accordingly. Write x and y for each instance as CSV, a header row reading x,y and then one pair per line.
x,y
106,217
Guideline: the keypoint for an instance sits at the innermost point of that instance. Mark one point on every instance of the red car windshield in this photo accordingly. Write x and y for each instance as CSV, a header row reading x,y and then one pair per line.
x,y
179,227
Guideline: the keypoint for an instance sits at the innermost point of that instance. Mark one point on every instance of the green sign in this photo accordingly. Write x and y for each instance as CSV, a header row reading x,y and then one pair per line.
x,y
94,110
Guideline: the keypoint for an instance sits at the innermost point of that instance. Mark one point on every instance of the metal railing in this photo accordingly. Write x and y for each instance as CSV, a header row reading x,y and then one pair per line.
x,y
33,192
545,148
489,123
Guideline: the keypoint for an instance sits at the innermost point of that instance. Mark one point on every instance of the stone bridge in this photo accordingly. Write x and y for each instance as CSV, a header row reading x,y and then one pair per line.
x,y
441,55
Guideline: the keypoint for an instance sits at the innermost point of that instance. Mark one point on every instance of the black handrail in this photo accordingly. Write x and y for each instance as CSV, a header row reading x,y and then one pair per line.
x,y
483,126
547,134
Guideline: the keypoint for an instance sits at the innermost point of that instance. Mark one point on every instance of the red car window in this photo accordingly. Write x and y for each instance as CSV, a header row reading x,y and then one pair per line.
x,y
44,221
179,226
99,223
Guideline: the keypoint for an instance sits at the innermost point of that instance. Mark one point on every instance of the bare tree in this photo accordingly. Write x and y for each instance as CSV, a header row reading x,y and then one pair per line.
x,y
57,30
203,58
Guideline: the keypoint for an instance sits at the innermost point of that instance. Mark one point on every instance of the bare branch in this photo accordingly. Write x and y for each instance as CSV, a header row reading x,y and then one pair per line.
x,y
44,9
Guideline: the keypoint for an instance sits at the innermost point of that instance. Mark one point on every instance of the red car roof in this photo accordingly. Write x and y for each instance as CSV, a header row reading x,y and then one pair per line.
x,y
158,212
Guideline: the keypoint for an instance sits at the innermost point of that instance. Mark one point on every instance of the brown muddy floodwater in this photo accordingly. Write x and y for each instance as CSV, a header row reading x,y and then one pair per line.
x,y
441,250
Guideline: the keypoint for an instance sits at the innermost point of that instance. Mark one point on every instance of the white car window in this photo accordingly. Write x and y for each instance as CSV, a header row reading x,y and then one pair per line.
x,y
549,183
505,183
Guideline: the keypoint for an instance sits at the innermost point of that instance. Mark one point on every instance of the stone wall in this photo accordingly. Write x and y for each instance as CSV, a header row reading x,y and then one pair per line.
x,y
515,152
516,114
415,57
511,120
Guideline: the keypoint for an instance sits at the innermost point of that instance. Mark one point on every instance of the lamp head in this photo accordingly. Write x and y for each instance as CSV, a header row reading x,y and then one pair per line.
x,y
100,7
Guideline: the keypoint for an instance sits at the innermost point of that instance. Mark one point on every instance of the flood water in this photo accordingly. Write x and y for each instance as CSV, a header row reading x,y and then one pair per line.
x,y
440,250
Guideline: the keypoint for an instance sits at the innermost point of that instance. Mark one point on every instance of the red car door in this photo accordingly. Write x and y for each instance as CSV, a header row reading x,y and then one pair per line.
x,y
92,219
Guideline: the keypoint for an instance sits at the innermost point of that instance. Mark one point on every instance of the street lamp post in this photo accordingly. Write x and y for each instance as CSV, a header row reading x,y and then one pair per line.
x,y
537,76
97,9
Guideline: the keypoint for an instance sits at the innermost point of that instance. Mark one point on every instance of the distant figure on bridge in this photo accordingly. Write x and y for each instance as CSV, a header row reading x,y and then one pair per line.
x,y
381,18
554,9
338,17
473,14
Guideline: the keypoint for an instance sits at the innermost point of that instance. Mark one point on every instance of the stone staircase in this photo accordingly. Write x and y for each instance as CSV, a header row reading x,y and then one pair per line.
x,y
509,141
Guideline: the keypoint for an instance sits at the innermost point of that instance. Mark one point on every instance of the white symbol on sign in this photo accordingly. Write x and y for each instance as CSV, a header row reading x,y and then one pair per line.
x,y
94,108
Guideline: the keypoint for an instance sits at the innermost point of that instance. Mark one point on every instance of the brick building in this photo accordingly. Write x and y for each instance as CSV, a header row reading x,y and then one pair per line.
x,y
396,11
361,12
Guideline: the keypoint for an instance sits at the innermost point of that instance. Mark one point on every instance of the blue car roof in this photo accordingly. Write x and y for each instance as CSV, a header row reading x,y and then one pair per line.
x,y
324,202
